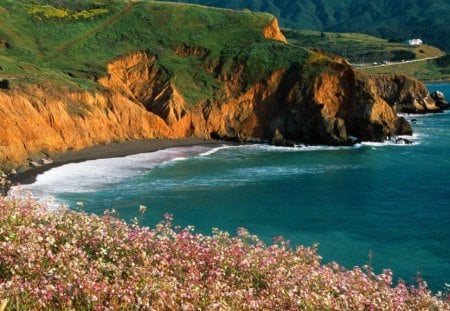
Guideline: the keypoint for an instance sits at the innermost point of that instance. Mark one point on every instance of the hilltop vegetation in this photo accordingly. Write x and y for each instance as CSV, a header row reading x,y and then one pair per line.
x,y
399,20
360,48
70,43
99,71
364,50
433,69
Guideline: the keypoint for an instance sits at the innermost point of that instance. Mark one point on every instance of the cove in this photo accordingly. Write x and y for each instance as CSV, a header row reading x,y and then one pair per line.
x,y
377,203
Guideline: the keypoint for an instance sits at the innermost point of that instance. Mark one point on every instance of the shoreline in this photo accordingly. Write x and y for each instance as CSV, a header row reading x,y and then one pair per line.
x,y
444,81
110,150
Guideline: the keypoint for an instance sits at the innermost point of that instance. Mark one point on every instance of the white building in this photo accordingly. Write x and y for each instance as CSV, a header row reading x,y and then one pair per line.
x,y
414,42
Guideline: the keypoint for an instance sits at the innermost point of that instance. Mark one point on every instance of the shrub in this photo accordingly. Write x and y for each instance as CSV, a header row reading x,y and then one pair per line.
x,y
47,11
51,12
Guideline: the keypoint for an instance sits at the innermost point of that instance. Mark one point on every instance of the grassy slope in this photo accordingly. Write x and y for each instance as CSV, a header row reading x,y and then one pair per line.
x,y
400,19
360,48
43,48
435,69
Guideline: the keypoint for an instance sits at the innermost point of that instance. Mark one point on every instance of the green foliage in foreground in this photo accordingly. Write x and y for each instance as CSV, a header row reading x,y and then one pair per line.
x,y
70,43
58,260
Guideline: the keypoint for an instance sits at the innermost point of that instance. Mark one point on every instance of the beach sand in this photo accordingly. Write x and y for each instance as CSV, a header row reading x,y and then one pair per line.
x,y
111,150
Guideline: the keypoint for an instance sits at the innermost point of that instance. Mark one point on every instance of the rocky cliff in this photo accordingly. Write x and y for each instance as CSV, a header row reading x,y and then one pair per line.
x,y
327,108
265,91
273,32
408,95
140,101
37,122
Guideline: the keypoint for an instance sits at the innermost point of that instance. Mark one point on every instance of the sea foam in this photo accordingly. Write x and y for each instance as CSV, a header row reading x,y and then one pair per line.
x,y
94,175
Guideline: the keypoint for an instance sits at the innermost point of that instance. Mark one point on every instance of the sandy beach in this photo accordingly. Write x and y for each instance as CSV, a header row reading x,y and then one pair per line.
x,y
111,150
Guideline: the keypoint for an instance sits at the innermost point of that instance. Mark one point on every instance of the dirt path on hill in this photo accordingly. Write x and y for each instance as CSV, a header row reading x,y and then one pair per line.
x,y
113,19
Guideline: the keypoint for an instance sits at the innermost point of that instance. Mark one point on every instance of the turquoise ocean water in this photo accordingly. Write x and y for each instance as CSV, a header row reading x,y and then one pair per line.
x,y
390,201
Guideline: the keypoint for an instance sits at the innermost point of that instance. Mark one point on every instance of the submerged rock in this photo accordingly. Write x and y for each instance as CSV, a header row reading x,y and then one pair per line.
x,y
403,141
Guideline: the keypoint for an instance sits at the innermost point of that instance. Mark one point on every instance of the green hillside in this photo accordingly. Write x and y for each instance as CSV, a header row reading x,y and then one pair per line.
x,y
364,50
70,43
434,69
401,19
360,48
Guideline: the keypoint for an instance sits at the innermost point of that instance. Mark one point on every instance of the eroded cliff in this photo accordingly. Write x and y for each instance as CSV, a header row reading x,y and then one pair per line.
x,y
273,32
250,87
325,108
37,122
139,100
408,95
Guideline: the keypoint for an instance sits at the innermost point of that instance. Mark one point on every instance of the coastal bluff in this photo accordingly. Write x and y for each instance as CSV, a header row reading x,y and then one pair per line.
x,y
262,91
140,101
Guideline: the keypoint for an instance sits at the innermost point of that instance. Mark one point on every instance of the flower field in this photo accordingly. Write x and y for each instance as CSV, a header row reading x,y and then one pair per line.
x,y
53,260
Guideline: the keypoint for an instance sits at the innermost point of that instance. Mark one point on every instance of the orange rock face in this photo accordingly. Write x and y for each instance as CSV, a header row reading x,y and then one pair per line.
x,y
326,108
39,121
140,101
405,94
273,32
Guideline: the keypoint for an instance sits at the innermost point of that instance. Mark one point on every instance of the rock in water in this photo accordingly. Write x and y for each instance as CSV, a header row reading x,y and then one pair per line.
x,y
279,140
403,127
408,95
440,100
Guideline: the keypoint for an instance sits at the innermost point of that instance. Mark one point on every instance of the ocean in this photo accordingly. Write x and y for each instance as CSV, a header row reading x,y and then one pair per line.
x,y
383,204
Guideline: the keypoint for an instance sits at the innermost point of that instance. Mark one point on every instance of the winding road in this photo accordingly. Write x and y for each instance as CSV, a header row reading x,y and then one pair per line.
x,y
396,63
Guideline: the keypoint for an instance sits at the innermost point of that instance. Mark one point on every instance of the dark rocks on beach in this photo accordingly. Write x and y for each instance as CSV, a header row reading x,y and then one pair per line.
x,y
34,164
47,161
4,184
279,140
